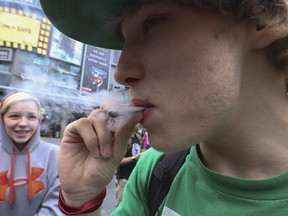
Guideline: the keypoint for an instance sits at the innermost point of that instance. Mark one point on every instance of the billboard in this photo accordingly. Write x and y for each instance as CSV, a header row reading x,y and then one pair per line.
x,y
19,29
65,49
96,69
31,3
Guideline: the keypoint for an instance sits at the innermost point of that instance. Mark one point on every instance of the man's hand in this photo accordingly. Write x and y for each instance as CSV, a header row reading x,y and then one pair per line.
x,y
89,155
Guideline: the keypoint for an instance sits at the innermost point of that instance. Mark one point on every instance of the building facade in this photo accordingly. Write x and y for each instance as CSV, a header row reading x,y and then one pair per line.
x,y
63,73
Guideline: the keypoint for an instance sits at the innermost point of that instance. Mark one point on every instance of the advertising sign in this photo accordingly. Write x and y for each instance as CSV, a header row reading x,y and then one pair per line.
x,y
96,69
32,3
116,56
65,48
6,54
19,29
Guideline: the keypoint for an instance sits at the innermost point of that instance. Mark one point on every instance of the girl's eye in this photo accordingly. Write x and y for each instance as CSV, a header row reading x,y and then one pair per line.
x,y
150,22
32,117
14,116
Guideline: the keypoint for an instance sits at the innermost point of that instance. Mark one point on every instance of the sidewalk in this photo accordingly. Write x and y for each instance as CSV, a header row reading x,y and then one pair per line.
x,y
110,200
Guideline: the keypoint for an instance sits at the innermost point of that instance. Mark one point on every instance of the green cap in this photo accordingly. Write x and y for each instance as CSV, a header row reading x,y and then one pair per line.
x,y
86,20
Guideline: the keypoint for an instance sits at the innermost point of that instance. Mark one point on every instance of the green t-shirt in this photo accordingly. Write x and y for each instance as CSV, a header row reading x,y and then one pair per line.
x,y
202,192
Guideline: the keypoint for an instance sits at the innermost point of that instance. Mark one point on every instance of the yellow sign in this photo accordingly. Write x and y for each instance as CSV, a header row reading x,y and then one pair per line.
x,y
43,111
19,29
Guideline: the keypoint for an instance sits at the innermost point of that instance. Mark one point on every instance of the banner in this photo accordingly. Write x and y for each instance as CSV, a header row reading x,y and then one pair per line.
x,y
96,69
19,29
65,49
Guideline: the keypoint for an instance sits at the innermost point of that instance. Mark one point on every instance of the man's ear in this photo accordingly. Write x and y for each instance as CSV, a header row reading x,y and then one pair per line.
x,y
263,36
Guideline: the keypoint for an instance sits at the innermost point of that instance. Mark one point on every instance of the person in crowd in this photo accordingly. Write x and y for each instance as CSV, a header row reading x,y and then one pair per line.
x,y
211,77
135,148
146,139
29,182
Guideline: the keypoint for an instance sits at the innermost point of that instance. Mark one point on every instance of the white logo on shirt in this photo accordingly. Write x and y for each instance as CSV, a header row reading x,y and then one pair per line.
x,y
169,212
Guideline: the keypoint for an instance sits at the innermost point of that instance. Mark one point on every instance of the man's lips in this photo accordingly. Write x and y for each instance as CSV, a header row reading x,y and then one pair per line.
x,y
148,107
141,103
136,105
114,114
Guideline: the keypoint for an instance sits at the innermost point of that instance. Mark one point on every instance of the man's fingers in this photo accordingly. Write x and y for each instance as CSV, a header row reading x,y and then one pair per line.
x,y
123,133
105,136
97,136
83,129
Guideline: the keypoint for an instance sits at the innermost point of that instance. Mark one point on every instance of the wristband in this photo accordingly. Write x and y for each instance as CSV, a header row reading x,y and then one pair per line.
x,y
87,207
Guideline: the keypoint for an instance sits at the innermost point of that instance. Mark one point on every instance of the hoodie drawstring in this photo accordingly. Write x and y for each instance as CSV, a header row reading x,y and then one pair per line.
x,y
12,178
12,181
28,175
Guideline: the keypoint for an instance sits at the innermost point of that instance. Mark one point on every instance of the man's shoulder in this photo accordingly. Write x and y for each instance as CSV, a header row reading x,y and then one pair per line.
x,y
151,155
149,160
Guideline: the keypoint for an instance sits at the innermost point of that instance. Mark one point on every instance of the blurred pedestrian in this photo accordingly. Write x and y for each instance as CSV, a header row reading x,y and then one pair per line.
x,y
135,148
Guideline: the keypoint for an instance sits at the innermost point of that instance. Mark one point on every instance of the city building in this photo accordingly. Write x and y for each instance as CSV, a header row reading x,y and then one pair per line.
x,y
63,73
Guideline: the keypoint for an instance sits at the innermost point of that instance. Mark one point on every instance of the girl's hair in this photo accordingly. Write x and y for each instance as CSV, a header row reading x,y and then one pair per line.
x,y
15,97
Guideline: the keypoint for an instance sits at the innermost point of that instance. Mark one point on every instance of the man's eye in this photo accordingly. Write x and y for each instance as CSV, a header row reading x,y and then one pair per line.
x,y
150,22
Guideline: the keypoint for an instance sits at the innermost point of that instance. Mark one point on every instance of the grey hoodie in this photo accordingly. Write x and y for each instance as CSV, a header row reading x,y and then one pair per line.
x,y
29,183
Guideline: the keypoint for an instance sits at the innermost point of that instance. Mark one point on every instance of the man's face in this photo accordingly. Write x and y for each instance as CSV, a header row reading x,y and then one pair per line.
x,y
184,65
21,121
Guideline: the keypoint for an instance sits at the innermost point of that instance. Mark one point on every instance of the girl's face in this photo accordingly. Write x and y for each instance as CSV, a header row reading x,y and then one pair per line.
x,y
21,121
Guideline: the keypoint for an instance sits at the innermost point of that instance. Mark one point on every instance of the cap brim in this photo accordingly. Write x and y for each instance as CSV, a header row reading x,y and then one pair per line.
x,y
85,20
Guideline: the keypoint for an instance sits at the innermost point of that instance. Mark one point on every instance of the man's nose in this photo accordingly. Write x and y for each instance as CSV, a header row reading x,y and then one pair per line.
x,y
130,68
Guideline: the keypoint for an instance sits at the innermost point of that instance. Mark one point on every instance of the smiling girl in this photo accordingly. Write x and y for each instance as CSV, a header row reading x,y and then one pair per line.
x,y
29,183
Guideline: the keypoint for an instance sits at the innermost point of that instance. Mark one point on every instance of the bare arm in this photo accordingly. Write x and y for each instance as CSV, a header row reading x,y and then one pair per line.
x,y
130,159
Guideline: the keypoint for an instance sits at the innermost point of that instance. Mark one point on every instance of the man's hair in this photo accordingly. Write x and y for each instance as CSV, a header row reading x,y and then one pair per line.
x,y
272,14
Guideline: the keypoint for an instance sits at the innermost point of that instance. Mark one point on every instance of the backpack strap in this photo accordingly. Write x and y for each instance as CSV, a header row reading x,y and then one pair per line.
x,y
162,177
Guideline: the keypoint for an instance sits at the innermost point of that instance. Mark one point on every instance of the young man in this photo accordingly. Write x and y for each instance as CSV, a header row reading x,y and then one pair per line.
x,y
211,76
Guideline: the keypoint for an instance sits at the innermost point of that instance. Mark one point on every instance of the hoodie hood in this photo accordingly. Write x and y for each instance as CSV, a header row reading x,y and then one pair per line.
x,y
8,177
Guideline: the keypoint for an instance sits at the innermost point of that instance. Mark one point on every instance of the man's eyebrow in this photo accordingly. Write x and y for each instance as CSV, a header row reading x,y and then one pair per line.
x,y
115,23
116,26
119,32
